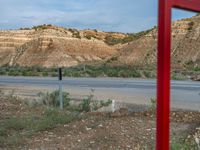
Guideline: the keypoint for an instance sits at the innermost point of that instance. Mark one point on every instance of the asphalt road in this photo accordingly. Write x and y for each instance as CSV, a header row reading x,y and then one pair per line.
x,y
184,94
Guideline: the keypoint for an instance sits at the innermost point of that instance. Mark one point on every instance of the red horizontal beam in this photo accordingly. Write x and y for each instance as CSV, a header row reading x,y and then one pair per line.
x,y
191,5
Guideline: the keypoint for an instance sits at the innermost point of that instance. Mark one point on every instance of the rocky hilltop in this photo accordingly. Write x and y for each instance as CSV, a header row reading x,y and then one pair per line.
x,y
185,48
49,46
52,46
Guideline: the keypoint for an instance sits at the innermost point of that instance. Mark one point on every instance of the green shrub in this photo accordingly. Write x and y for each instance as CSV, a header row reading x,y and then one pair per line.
x,y
3,131
147,74
89,104
75,33
197,68
15,123
14,129
13,73
153,105
135,74
85,105
105,103
54,74
110,40
45,74
52,99
88,37
10,95
177,76
3,72
53,118
182,146
190,25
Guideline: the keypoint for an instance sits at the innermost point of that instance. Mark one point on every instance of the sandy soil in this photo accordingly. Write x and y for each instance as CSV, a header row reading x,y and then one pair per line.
x,y
119,130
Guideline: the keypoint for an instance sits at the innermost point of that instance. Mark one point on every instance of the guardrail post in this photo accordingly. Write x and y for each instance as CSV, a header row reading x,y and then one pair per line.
x,y
60,87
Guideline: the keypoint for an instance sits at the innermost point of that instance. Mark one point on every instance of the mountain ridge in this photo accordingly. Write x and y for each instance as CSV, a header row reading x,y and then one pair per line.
x,y
51,46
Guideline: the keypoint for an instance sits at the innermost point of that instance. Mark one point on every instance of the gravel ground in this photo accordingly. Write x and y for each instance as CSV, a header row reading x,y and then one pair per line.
x,y
95,130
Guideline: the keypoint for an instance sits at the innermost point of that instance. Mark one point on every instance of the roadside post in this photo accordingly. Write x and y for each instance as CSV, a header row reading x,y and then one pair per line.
x,y
60,87
163,67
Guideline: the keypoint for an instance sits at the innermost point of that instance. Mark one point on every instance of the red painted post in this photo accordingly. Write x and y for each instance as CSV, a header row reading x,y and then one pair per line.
x,y
191,5
163,67
163,75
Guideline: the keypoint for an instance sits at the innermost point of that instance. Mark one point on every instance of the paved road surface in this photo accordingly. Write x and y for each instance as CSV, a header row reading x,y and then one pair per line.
x,y
184,94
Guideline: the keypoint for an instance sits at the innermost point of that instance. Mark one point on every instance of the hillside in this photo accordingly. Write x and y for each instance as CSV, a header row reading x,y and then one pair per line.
x,y
185,49
51,46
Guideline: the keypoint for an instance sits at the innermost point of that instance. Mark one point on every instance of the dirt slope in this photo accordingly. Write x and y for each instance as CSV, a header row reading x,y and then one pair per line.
x,y
185,46
49,46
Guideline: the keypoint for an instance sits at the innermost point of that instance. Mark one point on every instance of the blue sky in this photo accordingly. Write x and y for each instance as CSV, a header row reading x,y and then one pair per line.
x,y
107,15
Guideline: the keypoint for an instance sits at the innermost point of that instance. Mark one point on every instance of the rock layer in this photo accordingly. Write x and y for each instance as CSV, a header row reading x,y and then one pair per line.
x,y
54,46
49,47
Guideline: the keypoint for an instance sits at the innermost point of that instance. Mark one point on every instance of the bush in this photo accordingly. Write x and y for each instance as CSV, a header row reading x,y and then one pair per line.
x,y
89,104
147,74
45,74
3,131
13,73
52,99
153,104
3,72
182,146
75,33
190,25
14,129
53,118
15,123
112,41
85,105
177,76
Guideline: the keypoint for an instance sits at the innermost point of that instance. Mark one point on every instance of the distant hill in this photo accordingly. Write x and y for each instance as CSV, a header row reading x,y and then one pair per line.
x,y
185,50
52,46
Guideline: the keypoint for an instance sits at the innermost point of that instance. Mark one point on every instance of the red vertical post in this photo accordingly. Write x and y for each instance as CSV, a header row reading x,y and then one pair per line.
x,y
163,75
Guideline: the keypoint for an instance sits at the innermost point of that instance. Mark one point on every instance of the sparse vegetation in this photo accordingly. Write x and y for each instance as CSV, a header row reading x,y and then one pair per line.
x,y
110,40
177,76
52,99
153,105
90,104
77,71
42,27
90,36
182,145
104,70
21,126
25,28
190,25
75,33
28,124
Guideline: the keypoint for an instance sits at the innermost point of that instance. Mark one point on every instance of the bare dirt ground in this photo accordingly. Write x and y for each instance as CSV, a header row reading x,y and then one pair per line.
x,y
94,130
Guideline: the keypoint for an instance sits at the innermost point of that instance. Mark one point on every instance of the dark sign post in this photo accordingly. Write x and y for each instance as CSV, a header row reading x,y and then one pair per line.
x,y
163,81
60,87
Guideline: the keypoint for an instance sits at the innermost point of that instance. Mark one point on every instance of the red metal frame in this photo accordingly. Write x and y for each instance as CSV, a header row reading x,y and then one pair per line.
x,y
163,70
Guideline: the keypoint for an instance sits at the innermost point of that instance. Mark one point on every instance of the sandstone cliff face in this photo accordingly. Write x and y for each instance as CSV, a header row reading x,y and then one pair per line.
x,y
54,46
50,47
185,46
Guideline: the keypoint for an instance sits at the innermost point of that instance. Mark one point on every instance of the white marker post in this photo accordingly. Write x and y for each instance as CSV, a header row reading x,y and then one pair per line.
x,y
113,105
60,87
